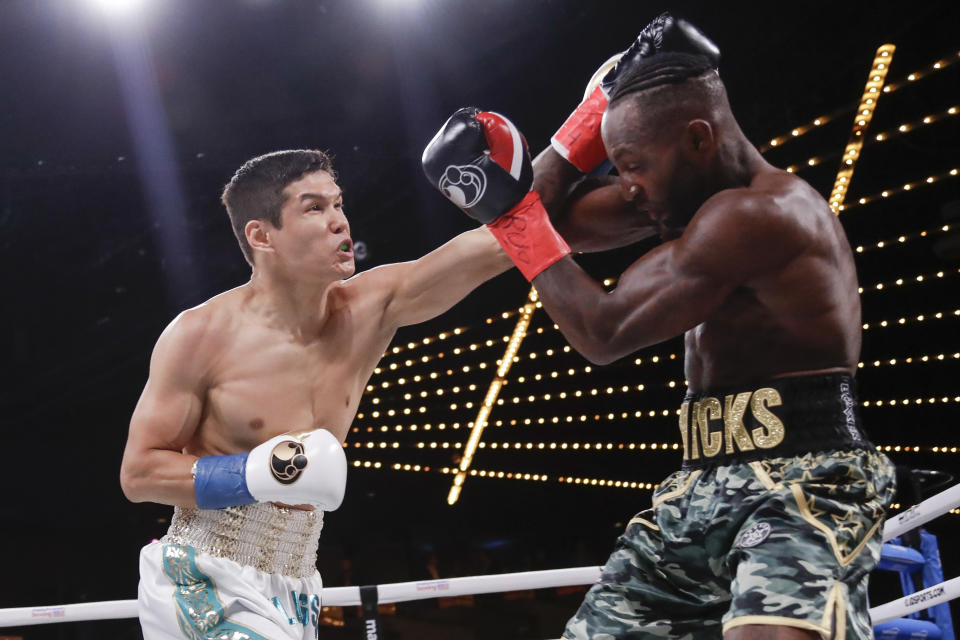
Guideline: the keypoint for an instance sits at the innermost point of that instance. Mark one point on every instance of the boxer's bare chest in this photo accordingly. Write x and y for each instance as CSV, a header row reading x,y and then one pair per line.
x,y
265,383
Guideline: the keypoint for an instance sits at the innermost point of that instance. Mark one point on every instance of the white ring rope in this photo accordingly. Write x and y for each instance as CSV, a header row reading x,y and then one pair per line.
x,y
922,513
923,599
473,585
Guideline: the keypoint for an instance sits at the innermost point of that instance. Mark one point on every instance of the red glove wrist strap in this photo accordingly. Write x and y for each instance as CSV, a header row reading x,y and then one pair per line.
x,y
578,139
527,236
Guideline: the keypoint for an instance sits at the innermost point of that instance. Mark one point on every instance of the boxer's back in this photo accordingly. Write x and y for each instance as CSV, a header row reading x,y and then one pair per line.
x,y
801,317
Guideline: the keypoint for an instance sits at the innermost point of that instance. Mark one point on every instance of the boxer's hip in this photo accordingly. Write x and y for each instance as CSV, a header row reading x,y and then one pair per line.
x,y
268,538
778,418
186,593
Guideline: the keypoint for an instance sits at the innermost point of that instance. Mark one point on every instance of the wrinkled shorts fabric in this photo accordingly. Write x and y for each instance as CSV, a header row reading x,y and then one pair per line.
x,y
783,541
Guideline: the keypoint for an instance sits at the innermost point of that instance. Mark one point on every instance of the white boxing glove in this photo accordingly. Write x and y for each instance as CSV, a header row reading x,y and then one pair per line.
x,y
303,468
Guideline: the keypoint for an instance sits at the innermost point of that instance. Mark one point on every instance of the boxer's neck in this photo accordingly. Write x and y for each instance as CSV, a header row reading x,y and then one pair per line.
x,y
296,306
738,162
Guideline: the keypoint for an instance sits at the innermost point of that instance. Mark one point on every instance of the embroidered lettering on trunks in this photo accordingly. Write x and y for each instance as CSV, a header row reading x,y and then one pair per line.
x,y
699,439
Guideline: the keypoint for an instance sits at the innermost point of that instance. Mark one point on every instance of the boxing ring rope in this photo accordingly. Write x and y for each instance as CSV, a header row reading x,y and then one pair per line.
x,y
912,518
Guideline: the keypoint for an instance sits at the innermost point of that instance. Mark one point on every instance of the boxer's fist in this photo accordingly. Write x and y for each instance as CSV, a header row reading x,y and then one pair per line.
x,y
480,162
578,139
302,469
665,33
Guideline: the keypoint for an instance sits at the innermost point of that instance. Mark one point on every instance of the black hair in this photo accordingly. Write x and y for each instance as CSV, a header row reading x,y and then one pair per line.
x,y
658,70
256,190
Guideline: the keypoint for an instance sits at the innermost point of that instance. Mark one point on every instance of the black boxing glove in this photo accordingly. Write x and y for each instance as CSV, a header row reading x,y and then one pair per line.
x,y
480,162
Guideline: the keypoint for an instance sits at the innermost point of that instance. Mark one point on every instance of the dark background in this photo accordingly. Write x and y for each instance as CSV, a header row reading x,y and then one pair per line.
x,y
106,234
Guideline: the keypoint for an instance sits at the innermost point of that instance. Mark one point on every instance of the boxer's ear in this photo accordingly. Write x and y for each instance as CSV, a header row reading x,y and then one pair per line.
x,y
699,141
258,235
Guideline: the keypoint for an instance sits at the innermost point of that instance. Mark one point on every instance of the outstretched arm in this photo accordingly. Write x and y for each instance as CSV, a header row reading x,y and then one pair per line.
x,y
671,289
423,289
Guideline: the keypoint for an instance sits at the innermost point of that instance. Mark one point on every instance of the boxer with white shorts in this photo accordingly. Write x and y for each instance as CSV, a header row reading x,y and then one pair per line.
x,y
251,395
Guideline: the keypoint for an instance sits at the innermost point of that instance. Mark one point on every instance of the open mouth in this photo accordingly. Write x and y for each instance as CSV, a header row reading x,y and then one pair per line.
x,y
346,246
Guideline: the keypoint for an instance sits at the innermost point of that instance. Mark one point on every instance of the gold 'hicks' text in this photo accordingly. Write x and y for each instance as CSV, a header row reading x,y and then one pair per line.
x,y
699,440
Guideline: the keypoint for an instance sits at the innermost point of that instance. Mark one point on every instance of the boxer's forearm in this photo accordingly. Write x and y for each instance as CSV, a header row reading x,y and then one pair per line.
x,y
588,212
159,476
653,301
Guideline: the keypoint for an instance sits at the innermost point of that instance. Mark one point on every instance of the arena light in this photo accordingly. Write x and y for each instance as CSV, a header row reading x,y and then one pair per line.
x,y
861,121
906,186
800,130
899,282
885,136
480,423
118,8
903,320
903,238
892,362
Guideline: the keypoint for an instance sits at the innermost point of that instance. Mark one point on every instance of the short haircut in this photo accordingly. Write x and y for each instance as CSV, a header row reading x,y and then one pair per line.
x,y
658,70
672,88
256,190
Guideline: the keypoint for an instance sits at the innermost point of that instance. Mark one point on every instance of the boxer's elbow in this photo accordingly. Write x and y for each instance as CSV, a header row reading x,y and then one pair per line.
x,y
601,357
133,480
602,341
595,344
598,352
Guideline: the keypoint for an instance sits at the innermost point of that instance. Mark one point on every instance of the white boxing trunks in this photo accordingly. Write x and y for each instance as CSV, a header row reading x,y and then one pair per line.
x,y
240,573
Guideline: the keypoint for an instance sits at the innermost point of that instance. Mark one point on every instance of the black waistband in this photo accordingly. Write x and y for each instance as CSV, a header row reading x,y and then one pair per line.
x,y
777,418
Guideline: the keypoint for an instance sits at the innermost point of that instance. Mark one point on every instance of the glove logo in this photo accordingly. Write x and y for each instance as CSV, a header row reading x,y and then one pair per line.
x,y
463,185
287,461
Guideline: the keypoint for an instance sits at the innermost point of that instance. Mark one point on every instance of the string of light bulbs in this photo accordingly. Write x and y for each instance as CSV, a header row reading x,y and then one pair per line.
x,y
940,357
603,447
384,428
919,278
506,475
902,239
861,121
903,320
611,390
885,136
910,401
612,416
530,477
890,87
919,74
905,187
503,368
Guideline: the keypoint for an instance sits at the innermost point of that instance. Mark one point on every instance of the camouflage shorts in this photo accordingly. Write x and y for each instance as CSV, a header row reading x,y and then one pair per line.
x,y
784,541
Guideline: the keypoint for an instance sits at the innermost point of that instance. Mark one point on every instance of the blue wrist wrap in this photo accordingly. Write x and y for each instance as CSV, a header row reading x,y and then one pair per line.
x,y
221,482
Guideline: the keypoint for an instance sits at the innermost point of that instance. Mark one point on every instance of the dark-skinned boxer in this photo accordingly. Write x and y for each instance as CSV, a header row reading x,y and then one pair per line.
x,y
772,524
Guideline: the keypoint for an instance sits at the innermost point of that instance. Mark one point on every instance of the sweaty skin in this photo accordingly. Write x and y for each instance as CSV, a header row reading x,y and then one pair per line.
x,y
761,280
754,268
292,349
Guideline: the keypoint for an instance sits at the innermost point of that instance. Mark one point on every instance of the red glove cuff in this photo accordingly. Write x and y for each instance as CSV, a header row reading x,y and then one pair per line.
x,y
578,140
527,236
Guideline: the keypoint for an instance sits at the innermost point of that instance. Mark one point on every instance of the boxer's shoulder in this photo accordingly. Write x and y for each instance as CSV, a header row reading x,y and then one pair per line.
x,y
742,233
374,288
199,333
747,213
